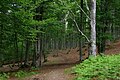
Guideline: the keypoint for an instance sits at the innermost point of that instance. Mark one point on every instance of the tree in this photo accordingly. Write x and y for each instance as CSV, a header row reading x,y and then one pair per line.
x,y
93,27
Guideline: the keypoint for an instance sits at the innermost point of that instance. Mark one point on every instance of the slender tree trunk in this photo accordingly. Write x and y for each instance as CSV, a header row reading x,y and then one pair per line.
x,y
16,48
93,27
1,45
81,27
34,56
41,50
21,55
26,53
1,36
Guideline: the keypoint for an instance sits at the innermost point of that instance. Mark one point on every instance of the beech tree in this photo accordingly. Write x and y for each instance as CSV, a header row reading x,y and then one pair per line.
x,y
93,27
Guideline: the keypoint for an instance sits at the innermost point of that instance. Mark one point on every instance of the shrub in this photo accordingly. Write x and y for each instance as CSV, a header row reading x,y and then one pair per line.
x,y
99,68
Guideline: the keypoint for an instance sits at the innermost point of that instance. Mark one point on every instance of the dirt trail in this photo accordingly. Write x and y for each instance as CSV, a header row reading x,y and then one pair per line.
x,y
53,73
55,68
57,72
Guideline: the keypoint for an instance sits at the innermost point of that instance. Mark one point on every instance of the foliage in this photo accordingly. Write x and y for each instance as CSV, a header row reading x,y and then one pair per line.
x,y
34,68
21,74
99,68
4,76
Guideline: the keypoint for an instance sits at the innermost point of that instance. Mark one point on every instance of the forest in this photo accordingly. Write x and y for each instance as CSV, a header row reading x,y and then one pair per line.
x,y
59,40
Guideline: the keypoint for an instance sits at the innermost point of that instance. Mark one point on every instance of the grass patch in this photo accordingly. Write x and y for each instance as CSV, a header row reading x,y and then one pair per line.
x,y
98,68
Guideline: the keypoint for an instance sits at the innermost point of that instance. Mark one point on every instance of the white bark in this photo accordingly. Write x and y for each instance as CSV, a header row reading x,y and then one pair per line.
x,y
83,11
93,27
66,22
86,3
76,24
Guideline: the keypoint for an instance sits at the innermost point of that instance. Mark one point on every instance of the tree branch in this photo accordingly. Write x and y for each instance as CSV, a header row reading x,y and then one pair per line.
x,y
83,11
79,29
87,6
76,21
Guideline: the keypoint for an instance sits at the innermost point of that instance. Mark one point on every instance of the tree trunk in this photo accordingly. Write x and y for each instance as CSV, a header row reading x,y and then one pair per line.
x,y
22,50
34,56
93,27
81,27
26,53
1,45
16,48
39,53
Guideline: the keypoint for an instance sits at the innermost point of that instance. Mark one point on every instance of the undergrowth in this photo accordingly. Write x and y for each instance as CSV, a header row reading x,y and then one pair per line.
x,y
4,76
20,74
98,68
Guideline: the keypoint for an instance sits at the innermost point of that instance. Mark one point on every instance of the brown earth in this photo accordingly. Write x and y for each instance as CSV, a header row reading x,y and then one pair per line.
x,y
114,48
54,68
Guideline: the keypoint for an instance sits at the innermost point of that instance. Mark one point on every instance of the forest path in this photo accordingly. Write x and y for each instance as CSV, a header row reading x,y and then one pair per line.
x,y
53,73
55,68
57,72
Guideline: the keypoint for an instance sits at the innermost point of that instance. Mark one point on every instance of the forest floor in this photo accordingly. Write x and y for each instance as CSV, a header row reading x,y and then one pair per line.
x,y
56,66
